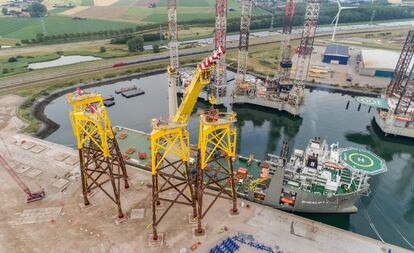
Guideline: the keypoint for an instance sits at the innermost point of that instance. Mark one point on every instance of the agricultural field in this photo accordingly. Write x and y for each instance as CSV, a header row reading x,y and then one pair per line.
x,y
109,15
27,28
139,11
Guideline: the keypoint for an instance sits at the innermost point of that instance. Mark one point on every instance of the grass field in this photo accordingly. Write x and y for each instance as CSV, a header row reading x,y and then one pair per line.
x,y
27,28
47,54
187,10
87,3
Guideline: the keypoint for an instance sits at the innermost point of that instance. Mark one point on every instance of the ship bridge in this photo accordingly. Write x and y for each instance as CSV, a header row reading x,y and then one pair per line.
x,y
362,161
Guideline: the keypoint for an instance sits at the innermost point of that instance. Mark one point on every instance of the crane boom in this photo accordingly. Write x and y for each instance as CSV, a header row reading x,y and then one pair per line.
x,y
200,79
30,196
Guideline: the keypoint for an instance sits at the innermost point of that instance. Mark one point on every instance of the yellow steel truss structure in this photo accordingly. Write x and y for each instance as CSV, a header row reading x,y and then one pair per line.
x,y
216,136
90,121
101,160
168,139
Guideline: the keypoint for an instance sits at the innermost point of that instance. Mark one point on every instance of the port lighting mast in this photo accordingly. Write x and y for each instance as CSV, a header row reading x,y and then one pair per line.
x,y
246,12
283,75
296,94
219,85
101,161
173,75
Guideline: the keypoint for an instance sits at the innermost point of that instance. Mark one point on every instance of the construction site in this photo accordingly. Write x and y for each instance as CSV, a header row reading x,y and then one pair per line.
x,y
184,183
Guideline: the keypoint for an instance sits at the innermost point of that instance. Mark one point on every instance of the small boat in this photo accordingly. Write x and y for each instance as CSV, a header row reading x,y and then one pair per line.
x,y
130,88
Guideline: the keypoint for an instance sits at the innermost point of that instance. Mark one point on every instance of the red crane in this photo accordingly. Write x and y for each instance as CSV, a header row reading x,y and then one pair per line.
x,y
31,196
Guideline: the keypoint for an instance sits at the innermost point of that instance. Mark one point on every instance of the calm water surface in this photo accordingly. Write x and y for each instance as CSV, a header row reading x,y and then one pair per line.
x,y
390,207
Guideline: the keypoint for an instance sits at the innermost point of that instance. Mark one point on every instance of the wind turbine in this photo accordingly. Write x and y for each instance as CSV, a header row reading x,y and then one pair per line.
x,y
336,18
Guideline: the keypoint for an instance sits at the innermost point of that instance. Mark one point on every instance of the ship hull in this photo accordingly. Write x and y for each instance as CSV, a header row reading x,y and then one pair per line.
x,y
307,202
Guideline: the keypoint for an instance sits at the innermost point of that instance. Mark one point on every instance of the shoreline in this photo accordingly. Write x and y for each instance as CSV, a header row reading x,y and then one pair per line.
x,y
49,126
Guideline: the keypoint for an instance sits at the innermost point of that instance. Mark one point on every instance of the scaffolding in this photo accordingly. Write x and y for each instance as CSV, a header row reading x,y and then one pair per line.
x,y
101,160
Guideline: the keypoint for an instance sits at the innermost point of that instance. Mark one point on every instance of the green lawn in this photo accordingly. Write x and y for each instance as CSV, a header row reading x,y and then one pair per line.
x,y
27,28
20,66
87,3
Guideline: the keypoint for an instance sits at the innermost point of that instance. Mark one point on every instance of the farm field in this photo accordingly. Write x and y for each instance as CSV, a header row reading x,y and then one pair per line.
x,y
138,11
27,28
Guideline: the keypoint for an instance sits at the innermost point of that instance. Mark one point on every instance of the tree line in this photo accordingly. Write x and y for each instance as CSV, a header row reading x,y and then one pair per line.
x,y
363,13
67,37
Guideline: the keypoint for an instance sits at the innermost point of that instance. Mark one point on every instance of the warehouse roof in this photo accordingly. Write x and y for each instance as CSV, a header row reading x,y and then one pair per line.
x,y
337,50
379,59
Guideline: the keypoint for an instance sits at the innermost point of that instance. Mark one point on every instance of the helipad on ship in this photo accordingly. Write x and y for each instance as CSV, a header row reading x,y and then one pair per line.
x,y
363,160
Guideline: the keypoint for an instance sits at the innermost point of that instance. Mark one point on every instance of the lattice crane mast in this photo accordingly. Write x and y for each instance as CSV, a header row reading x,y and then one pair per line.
x,y
31,196
243,43
283,75
219,86
296,94
173,75
401,87
170,148
101,160
402,67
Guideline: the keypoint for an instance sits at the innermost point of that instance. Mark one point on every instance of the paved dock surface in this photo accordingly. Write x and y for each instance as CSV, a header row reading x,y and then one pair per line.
x,y
57,224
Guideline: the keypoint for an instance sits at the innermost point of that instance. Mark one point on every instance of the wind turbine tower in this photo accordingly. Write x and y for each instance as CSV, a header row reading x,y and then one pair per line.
x,y
336,18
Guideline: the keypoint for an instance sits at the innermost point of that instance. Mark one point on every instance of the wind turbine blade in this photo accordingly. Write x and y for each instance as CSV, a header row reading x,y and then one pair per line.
x,y
339,3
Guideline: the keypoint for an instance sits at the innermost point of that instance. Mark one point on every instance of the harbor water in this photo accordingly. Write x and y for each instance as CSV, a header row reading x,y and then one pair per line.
x,y
386,214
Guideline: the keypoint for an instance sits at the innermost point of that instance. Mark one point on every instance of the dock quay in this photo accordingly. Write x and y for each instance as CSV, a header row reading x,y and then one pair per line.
x,y
276,229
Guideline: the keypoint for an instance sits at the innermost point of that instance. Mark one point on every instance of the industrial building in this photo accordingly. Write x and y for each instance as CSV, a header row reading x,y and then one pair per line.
x,y
377,62
336,54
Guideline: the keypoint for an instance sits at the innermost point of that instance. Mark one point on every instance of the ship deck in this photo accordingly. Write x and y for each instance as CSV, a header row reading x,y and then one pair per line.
x,y
139,142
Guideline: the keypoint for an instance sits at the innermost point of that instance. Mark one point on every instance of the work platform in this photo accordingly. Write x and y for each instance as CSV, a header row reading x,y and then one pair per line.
x,y
388,122
257,101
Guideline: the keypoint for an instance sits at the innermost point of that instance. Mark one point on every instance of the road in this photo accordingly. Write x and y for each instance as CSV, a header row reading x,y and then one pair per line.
x,y
258,38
